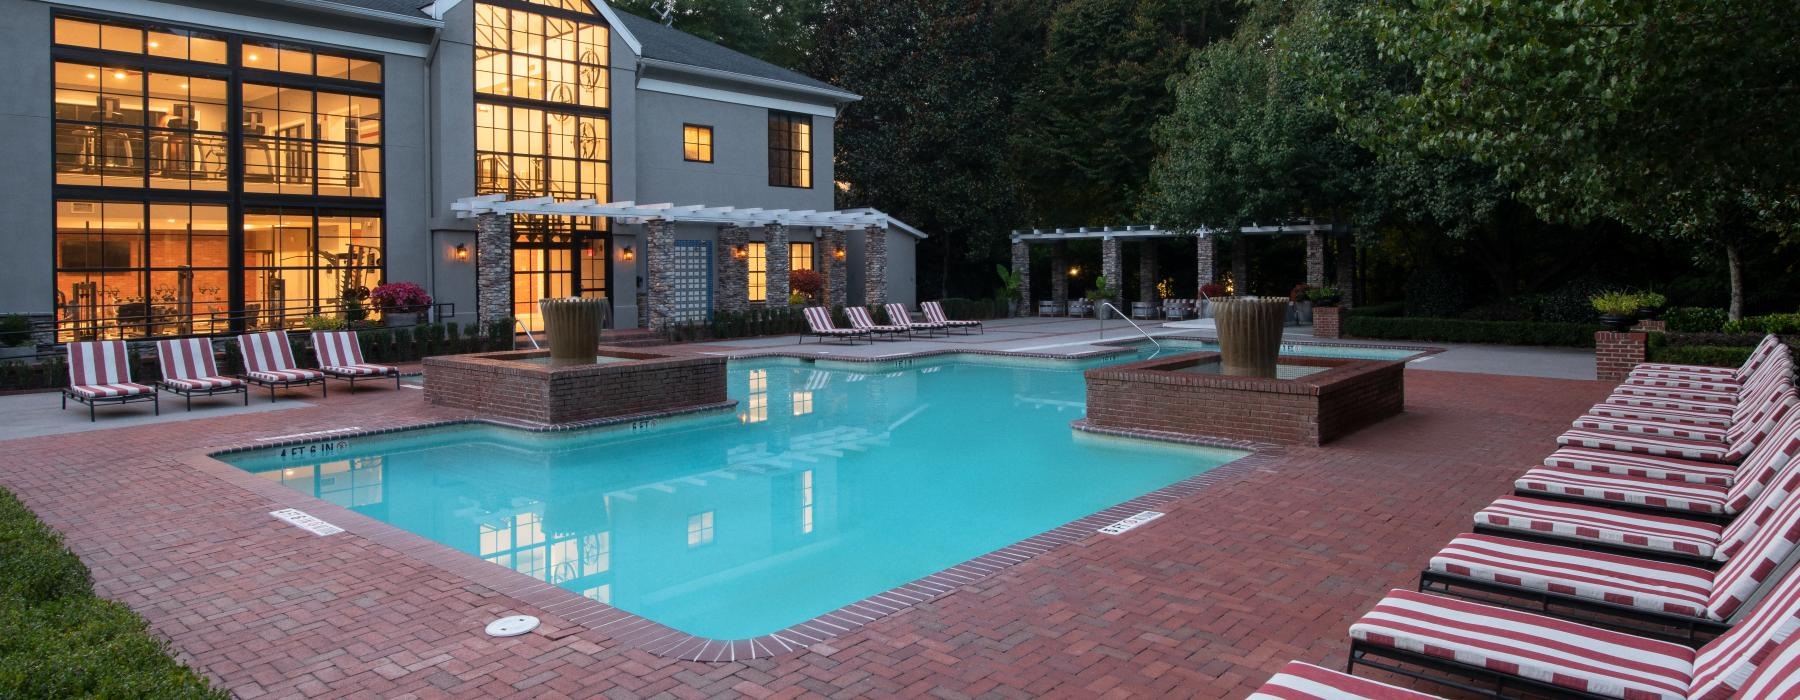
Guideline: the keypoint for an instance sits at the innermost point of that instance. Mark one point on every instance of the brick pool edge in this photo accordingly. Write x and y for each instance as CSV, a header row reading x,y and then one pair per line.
x,y
508,385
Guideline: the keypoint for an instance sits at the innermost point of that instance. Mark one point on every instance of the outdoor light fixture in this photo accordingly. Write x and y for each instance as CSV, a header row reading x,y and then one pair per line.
x,y
627,254
740,251
838,252
461,253
1074,270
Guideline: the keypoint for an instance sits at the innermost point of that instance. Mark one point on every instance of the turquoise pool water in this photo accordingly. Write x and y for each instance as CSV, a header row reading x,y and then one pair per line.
x,y
827,485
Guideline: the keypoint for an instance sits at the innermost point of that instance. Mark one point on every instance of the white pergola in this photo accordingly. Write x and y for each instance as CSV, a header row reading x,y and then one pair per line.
x,y
634,213
1152,231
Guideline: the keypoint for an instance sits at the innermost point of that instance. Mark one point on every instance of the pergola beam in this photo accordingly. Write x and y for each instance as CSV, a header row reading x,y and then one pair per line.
x,y
1150,231
632,212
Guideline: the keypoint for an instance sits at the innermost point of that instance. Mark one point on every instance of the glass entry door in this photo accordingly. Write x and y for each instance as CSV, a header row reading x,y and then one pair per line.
x,y
556,271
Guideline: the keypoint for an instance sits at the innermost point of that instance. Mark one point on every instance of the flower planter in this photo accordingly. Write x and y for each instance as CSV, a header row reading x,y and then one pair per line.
x,y
1618,323
1303,312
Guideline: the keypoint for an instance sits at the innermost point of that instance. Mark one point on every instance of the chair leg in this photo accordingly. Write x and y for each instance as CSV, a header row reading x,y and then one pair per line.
x,y
156,404
91,417
246,392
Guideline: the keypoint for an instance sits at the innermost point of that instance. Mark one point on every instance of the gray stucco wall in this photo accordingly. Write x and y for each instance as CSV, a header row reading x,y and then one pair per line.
x,y
739,173
406,139
25,137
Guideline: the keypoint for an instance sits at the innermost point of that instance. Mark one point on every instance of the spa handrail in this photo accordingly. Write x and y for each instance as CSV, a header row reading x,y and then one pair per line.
x,y
1140,329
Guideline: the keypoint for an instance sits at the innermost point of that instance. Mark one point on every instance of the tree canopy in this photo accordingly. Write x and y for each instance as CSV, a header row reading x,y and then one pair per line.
x,y
778,31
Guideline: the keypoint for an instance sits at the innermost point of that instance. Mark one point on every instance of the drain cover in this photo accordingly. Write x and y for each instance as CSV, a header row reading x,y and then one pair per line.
x,y
512,626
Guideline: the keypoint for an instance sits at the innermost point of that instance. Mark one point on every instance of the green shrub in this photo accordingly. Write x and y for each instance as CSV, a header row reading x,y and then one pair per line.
x,y
1694,319
61,641
1568,303
15,331
1390,309
1783,324
1499,311
1433,292
1615,303
1442,330
1712,356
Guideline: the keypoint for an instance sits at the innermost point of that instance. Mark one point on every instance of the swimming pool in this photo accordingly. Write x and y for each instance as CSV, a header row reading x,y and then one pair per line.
x,y
1170,347
825,487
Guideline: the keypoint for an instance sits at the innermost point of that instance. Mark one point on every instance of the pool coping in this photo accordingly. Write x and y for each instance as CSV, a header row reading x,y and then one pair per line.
x,y
566,613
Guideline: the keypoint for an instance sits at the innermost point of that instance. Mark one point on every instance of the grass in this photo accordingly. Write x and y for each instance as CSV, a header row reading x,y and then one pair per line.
x,y
60,640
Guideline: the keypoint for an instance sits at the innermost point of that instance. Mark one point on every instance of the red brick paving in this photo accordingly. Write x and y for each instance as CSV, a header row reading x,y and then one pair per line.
x,y
1261,568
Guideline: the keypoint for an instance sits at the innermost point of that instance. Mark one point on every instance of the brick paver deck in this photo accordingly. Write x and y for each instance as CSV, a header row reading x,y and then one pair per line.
x,y
1266,566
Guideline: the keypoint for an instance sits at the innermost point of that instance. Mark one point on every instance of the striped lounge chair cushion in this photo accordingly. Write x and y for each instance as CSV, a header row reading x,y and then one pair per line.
x,y
1644,584
1777,676
1757,561
281,376
361,370
1730,661
1702,372
1661,415
1648,445
934,313
1645,466
1601,525
111,391
819,320
1544,649
1304,681
203,383
1651,427
1683,394
1723,386
1724,408
1651,493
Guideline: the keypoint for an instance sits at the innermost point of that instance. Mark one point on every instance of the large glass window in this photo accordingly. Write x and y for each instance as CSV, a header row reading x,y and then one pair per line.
x,y
800,256
299,262
161,42
301,60
304,141
531,152
697,143
790,150
537,56
135,269
759,271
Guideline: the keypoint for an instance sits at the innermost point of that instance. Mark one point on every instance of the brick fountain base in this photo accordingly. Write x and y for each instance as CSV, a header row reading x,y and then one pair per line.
x,y
1179,397
523,386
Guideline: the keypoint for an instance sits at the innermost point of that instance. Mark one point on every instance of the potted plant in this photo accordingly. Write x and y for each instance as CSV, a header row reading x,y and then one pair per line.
x,y
1011,283
1651,304
1209,292
1102,292
396,298
15,337
1325,297
1618,310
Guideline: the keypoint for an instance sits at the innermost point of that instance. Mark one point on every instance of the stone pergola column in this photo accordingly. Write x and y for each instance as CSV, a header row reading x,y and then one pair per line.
x,y
837,268
734,271
493,268
659,257
777,263
1059,272
1205,252
1315,259
1147,271
1021,264
874,266
1346,269
1240,264
1112,266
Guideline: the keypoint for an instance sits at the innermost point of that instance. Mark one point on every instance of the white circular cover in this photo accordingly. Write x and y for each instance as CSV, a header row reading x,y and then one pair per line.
x,y
512,626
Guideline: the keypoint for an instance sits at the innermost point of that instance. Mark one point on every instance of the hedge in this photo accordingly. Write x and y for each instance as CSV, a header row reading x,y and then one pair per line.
x,y
1710,349
62,641
1444,330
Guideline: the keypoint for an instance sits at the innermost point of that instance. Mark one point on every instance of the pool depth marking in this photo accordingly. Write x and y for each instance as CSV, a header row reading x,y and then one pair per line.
x,y
1131,523
315,433
298,518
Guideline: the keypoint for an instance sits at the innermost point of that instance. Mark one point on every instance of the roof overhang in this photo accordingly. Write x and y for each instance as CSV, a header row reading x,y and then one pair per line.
x,y
634,213
834,95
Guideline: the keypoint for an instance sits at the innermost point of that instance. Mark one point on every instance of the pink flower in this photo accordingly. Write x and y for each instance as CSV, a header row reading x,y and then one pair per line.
x,y
400,296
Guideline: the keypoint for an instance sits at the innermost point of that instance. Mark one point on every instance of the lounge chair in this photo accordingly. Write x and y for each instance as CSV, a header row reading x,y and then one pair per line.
x,y
1705,389
818,320
934,312
898,315
1713,445
269,362
100,372
1771,346
1616,485
1614,417
1511,649
188,370
860,320
1303,681
340,357
1625,589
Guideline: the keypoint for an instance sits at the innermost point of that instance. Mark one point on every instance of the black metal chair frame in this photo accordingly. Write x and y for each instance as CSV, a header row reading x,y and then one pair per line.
x,y
324,389
189,394
353,378
1606,547
1694,631
850,337
94,401
1714,518
1360,651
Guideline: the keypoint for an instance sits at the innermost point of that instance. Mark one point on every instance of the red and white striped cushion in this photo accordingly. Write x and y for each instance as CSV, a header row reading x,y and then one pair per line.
x,y
287,375
338,349
1646,445
1652,493
1727,662
1724,408
1723,386
1683,394
1644,584
1601,525
186,359
1540,648
934,313
1645,466
1651,427
1662,415
1740,577
361,370
111,391
266,352
1702,372
819,320
1776,677
1304,681
100,364
203,383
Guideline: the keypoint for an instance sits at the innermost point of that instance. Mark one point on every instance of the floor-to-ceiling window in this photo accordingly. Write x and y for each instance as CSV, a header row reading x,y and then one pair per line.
x,y
542,128
206,183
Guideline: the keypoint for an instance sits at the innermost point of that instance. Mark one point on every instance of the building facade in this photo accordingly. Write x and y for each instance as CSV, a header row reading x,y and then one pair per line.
x,y
211,166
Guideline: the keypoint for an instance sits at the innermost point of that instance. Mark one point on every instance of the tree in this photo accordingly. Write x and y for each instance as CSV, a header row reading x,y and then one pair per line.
x,y
778,31
1672,116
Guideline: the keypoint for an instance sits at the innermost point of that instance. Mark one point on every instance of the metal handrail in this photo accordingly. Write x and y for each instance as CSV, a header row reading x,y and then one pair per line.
x,y
528,335
1134,324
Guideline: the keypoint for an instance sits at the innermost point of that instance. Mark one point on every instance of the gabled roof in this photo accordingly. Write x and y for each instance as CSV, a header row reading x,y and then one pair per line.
x,y
661,43
405,8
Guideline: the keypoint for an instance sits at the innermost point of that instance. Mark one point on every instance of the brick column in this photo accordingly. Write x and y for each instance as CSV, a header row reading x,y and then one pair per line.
x,y
1112,267
1021,263
1059,272
837,268
1147,271
874,266
1315,260
493,268
776,236
1205,252
659,241
1346,270
1328,322
733,293
1240,264
1615,354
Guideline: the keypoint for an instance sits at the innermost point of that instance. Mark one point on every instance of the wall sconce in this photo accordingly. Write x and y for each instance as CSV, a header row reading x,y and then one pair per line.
x,y
627,254
1074,270
461,253
740,251
838,252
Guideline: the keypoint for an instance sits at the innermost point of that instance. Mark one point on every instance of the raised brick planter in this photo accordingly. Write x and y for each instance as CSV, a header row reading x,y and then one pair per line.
x,y
503,385
1615,354
1328,322
1155,396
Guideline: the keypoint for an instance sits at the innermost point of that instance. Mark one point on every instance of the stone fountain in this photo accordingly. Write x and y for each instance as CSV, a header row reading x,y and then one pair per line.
x,y
1250,334
573,326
